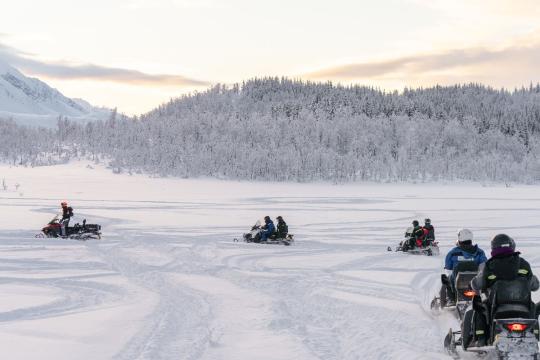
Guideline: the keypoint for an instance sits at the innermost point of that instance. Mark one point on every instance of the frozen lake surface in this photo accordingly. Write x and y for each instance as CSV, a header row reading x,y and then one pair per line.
x,y
168,282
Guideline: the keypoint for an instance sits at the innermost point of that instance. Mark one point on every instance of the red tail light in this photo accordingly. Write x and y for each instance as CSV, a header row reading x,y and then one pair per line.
x,y
516,327
469,293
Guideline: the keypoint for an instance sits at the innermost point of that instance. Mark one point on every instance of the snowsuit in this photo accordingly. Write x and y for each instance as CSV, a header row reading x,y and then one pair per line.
x,y
282,229
465,251
268,230
417,239
504,267
430,236
67,213
509,266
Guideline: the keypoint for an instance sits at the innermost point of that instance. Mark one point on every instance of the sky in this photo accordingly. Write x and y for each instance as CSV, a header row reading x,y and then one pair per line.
x,y
137,54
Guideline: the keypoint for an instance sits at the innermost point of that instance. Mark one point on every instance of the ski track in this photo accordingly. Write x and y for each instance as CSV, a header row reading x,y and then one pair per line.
x,y
193,293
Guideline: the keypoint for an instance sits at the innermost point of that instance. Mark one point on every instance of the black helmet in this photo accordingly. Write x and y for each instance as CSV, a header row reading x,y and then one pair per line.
x,y
267,218
503,241
279,218
415,223
427,221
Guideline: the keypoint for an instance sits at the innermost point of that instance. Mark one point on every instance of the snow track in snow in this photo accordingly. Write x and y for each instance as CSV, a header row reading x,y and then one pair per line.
x,y
167,281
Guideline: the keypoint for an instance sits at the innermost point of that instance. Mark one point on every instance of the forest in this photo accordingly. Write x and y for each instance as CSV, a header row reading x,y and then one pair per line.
x,y
279,129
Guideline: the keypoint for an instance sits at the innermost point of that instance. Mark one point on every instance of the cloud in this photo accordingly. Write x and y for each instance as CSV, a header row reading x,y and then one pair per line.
x,y
65,70
523,9
173,4
196,4
414,65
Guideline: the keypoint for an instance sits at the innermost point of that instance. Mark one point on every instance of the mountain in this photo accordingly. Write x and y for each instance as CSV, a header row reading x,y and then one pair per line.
x,y
30,101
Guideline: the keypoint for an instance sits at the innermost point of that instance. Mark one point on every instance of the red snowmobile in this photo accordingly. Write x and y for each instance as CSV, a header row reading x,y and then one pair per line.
x,y
77,232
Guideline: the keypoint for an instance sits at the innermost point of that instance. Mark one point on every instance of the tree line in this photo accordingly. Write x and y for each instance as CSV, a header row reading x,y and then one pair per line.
x,y
279,129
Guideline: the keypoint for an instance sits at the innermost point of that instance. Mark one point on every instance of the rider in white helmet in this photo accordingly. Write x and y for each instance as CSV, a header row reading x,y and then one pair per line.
x,y
465,250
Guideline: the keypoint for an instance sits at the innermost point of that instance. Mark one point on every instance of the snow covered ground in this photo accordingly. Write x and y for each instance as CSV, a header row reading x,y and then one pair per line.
x,y
168,282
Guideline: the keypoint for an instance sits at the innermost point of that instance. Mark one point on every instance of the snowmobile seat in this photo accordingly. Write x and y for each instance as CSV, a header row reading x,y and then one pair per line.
x,y
511,298
511,292
463,273
462,284
508,311
92,227
463,279
465,265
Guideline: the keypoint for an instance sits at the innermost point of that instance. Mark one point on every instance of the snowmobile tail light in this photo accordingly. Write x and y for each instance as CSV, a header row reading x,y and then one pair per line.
x,y
516,327
469,293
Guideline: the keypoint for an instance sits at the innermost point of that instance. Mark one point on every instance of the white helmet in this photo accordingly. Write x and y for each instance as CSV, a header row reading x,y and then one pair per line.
x,y
464,235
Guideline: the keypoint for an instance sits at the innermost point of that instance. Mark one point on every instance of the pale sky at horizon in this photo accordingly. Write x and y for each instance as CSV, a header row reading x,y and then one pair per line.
x,y
136,54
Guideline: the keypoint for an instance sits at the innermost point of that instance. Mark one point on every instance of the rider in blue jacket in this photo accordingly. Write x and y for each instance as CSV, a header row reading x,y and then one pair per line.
x,y
464,250
268,228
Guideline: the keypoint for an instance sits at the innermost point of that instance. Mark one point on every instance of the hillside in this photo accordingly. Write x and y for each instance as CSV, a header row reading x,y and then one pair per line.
x,y
30,101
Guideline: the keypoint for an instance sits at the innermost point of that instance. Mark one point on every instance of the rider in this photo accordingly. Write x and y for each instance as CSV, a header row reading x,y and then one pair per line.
x,y
67,213
504,264
430,235
282,228
466,250
268,228
418,235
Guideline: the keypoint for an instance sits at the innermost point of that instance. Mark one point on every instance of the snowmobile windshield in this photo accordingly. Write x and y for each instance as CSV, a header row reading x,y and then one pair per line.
x,y
55,219
258,223
408,232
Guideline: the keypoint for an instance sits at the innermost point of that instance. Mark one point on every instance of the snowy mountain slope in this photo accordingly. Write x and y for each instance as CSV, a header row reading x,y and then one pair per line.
x,y
168,282
31,100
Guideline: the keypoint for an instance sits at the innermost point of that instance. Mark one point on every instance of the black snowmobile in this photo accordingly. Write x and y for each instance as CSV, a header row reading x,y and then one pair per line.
x,y
513,331
432,247
254,236
457,294
76,232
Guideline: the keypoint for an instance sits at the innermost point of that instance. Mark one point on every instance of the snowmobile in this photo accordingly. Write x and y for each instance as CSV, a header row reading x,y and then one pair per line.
x,y
461,295
77,232
255,236
512,331
432,248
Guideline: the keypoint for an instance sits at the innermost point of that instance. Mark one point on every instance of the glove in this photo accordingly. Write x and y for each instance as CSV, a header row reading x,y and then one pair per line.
x,y
444,279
